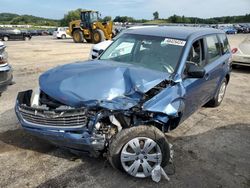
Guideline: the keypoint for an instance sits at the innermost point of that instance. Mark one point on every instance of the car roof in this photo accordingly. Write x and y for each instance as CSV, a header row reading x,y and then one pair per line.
x,y
178,32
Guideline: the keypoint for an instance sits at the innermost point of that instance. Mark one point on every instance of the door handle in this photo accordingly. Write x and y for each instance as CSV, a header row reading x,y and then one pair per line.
x,y
206,76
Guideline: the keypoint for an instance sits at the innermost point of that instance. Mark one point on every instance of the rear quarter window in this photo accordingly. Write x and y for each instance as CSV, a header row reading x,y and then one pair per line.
x,y
213,48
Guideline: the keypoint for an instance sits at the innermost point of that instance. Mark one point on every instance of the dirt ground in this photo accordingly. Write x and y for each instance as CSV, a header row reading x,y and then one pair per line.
x,y
212,148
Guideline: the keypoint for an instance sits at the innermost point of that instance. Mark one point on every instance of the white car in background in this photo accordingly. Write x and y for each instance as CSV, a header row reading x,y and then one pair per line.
x,y
97,49
60,33
241,53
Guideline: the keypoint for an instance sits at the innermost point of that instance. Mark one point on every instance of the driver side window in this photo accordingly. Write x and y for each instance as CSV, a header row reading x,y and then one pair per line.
x,y
196,54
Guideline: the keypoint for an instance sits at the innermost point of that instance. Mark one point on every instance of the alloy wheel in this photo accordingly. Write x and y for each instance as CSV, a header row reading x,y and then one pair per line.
x,y
222,92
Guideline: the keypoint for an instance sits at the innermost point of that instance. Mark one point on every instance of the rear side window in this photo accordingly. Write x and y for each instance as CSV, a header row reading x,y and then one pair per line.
x,y
213,48
224,43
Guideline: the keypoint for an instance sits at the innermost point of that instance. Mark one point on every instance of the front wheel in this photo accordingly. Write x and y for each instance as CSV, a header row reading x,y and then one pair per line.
x,y
97,36
78,36
138,150
216,101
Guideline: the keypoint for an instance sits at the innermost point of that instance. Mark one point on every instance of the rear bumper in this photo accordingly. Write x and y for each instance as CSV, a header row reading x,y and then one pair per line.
x,y
74,138
241,59
5,77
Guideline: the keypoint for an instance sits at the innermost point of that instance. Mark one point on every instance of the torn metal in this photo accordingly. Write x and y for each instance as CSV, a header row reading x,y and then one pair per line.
x,y
114,86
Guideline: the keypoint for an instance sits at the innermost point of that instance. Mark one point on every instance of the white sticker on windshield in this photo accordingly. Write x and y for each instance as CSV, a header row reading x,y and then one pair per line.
x,y
174,42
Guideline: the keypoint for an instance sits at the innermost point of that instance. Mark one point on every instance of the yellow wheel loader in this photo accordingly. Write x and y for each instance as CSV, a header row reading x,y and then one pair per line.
x,y
90,29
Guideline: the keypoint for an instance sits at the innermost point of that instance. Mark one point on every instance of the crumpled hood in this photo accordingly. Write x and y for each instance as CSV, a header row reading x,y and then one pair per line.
x,y
106,84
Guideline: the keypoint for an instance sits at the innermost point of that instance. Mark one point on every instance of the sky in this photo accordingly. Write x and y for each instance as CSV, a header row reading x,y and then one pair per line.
x,y
56,9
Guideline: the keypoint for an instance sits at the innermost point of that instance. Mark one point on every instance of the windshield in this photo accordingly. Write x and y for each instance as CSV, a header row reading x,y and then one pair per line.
x,y
157,53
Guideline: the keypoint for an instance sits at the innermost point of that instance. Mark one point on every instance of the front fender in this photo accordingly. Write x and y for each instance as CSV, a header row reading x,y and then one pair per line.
x,y
169,101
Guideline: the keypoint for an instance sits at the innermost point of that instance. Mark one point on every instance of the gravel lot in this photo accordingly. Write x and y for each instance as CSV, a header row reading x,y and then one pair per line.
x,y
212,148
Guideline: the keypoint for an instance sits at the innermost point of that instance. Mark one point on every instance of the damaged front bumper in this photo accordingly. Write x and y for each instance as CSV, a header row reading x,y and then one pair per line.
x,y
69,128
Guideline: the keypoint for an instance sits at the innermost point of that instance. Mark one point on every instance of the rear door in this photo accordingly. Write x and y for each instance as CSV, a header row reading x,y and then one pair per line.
x,y
216,63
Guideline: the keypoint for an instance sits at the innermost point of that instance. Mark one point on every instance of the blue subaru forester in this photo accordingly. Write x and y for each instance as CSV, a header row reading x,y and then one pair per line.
x,y
145,83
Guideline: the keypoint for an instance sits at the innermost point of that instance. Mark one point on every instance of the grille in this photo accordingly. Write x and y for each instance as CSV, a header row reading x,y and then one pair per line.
x,y
55,119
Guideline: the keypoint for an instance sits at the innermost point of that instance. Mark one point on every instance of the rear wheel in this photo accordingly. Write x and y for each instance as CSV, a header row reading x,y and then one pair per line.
x,y
137,150
5,38
63,36
216,101
78,36
98,36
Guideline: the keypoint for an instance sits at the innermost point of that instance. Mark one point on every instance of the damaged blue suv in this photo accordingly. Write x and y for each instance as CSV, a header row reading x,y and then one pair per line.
x,y
144,84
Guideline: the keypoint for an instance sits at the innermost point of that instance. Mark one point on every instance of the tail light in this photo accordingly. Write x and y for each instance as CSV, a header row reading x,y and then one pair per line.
x,y
3,57
2,60
234,50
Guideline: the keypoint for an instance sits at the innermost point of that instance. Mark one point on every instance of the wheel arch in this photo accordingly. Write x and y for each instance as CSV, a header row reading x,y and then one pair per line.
x,y
227,78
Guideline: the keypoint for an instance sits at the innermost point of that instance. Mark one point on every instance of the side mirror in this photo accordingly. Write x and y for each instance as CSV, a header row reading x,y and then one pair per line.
x,y
194,71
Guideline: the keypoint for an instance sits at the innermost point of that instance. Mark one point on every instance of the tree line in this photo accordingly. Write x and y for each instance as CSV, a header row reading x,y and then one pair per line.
x,y
15,19
75,14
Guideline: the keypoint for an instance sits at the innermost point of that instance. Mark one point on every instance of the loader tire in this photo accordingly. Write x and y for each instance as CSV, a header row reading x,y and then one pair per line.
x,y
78,36
97,36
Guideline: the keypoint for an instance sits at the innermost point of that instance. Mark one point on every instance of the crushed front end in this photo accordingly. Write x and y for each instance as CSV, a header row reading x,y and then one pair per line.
x,y
68,127
76,111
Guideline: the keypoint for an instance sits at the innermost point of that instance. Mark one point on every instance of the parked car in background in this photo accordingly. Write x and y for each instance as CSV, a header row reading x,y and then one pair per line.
x,y
144,84
241,53
13,34
60,33
51,31
242,28
230,30
42,32
5,69
34,32
97,49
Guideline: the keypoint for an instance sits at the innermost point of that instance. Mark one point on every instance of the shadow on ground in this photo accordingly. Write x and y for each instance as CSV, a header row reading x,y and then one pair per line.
x,y
217,158
241,69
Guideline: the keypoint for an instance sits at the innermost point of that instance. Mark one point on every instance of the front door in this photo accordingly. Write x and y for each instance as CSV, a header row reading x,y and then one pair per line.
x,y
197,89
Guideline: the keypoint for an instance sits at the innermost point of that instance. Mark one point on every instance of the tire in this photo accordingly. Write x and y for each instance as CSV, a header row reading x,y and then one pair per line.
x,y
63,36
26,38
78,36
122,141
97,36
217,100
5,38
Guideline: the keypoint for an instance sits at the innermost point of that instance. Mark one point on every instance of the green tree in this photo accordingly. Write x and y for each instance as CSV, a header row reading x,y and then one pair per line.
x,y
107,18
124,19
71,16
156,15
175,19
